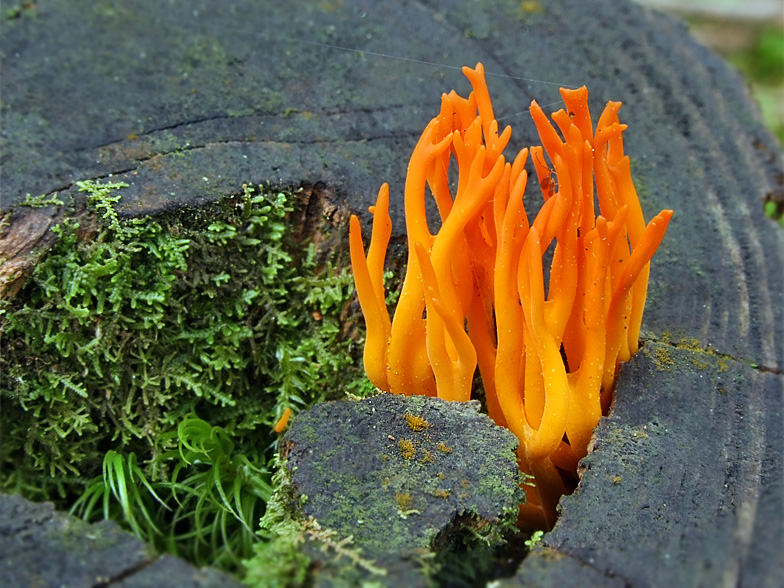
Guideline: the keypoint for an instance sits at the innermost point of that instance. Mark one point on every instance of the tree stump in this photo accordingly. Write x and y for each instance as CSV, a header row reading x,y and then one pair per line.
x,y
186,101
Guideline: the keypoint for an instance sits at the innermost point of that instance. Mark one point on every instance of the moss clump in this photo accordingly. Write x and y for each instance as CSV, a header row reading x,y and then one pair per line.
x,y
443,447
129,328
663,359
284,558
404,501
41,201
406,447
279,561
416,423
703,357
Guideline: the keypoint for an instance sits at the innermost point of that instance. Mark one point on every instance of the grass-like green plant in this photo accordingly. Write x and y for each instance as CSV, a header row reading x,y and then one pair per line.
x,y
128,328
122,485
206,511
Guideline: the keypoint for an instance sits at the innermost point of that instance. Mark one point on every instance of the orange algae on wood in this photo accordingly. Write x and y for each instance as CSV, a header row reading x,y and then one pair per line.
x,y
474,293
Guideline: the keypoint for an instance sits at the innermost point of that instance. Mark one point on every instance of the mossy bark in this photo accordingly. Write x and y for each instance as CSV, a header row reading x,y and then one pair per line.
x,y
404,477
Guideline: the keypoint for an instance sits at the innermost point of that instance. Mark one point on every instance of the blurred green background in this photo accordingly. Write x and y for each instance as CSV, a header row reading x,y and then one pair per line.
x,y
750,35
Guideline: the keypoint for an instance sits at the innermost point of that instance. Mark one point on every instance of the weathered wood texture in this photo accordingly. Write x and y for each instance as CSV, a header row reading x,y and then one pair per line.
x,y
684,487
187,100
400,486
41,547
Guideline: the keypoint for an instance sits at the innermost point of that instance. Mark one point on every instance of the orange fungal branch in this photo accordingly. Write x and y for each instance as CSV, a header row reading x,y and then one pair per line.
x,y
474,293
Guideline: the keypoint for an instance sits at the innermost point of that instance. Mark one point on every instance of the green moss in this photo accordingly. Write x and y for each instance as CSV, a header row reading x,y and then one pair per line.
x,y
774,208
534,540
406,447
282,559
278,561
443,447
416,422
129,328
42,201
18,10
663,358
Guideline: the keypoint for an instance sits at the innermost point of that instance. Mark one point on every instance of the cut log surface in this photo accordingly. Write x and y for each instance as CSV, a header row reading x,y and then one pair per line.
x,y
684,486
402,476
185,101
41,547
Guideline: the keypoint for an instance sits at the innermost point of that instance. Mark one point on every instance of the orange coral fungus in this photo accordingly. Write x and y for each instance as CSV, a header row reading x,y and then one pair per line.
x,y
474,293
282,421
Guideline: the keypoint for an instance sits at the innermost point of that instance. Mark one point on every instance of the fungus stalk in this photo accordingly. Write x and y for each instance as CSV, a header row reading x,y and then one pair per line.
x,y
474,293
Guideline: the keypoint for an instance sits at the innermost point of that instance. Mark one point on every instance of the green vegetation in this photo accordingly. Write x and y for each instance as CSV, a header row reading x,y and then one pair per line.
x,y
208,514
763,61
534,540
763,65
775,210
757,51
129,329
280,561
755,48
41,201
